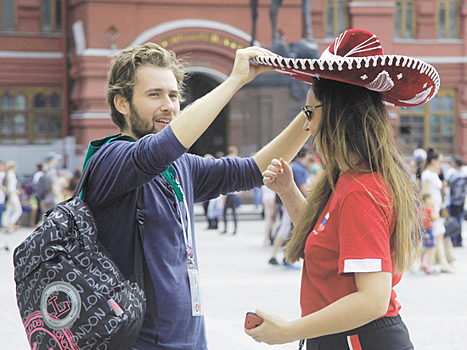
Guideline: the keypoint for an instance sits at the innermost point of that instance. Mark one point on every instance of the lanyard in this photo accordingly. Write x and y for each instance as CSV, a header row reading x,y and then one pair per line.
x,y
170,176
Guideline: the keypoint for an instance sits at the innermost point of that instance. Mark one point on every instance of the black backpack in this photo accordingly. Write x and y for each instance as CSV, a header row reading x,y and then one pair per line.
x,y
70,293
41,188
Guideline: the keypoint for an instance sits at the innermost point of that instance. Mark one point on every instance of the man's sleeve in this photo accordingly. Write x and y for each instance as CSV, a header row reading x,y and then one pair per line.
x,y
212,177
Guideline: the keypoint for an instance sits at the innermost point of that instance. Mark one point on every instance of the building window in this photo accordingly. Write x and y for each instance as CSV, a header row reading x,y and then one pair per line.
x,y
51,16
404,20
336,17
30,116
7,15
448,19
431,124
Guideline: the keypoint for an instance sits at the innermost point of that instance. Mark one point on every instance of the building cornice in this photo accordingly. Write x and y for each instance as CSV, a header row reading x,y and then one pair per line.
x,y
31,54
81,48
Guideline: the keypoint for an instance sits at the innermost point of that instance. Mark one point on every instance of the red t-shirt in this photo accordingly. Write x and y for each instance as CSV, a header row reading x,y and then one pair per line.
x,y
427,218
352,235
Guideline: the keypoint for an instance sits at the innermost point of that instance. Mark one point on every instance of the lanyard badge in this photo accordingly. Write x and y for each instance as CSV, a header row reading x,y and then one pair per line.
x,y
193,274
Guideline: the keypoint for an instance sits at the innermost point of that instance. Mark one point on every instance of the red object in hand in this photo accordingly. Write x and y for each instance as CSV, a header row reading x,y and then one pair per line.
x,y
252,320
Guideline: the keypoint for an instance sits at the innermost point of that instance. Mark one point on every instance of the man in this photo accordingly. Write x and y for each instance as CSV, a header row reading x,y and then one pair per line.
x,y
52,191
144,93
2,192
232,199
300,167
457,181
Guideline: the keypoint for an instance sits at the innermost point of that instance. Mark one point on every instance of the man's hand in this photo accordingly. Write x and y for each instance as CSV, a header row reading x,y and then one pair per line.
x,y
243,69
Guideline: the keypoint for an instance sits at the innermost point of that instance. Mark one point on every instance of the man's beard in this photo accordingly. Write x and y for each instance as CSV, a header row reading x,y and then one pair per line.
x,y
138,127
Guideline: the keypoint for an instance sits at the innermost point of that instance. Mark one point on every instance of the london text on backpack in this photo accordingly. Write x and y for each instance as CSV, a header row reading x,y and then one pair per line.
x,y
70,293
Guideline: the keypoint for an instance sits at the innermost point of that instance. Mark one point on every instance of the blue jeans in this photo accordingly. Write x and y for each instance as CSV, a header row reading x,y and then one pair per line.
x,y
2,209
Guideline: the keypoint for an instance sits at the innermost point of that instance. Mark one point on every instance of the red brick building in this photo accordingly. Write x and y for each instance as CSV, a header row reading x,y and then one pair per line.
x,y
54,57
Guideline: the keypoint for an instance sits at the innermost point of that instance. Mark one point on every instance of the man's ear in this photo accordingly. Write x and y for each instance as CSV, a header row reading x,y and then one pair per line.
x,y
122,105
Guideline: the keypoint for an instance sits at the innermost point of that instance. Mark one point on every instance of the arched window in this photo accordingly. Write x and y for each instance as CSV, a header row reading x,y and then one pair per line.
x,y
20,101
40,101
54,100
6,101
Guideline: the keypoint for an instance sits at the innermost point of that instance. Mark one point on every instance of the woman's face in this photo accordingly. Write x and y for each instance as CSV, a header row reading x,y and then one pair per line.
x,y
437,163
312,124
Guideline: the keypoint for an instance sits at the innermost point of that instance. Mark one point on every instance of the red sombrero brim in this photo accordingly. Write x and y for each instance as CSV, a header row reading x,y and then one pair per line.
x,y
403,81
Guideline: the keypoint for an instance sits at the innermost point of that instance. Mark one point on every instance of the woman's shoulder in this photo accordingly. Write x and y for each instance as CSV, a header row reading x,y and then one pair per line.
x,y
354,182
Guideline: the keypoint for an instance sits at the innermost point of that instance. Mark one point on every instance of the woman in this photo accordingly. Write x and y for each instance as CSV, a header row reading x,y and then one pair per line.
x,y
13,209
354,230
432,184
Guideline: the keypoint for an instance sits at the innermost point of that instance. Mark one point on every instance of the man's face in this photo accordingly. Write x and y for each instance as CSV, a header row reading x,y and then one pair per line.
x,y
155,101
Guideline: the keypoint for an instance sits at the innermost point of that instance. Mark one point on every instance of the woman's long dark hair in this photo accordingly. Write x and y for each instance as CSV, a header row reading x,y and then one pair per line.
x,y
355,125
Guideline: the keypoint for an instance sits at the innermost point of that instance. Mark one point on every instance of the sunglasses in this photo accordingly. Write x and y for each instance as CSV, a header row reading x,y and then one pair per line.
x,y
308,111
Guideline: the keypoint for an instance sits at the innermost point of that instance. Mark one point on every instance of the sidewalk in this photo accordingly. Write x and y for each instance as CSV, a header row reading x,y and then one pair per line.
x,y
236,278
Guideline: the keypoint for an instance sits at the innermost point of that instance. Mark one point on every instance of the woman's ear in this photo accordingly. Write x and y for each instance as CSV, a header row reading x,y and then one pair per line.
x,y
121,104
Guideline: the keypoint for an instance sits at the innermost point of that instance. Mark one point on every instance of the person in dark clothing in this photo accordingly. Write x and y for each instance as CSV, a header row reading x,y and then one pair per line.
x,y
457,181
232,200
145,86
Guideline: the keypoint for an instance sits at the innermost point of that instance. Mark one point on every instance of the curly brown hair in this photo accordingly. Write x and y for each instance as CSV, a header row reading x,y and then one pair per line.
x,y
124,66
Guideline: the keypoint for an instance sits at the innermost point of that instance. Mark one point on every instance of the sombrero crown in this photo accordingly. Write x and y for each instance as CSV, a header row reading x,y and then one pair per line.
x,y
356,57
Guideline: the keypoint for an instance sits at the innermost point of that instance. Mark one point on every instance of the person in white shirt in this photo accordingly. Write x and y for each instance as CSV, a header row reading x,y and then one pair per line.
x,y
13,209
431,183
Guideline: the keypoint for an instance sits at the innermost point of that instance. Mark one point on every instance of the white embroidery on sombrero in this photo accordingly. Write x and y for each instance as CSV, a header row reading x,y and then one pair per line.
x,y
364,77
369,44
382,83
419,98
400,75
338,41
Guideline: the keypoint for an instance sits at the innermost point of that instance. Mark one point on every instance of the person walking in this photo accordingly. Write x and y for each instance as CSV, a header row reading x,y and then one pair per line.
x,y
272,217
300,168
53,193
144,90
231,200
2,191
428,254
456,178
354,230
432,184
13,209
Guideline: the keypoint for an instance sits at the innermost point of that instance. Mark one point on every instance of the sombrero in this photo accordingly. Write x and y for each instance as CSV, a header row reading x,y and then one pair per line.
x,y
356,57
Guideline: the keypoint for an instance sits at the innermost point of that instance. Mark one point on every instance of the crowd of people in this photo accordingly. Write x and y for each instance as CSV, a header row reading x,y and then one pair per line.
x,y
24,203
442,187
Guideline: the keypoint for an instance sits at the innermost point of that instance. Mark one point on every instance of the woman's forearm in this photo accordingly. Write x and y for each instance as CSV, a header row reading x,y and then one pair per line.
x,y
293,202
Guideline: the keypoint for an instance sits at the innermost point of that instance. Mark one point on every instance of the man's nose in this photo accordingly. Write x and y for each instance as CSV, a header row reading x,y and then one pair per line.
x,y
167,104
306,126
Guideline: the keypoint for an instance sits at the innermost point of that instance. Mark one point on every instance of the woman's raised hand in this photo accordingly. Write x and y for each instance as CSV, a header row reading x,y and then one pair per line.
x,y
278,176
